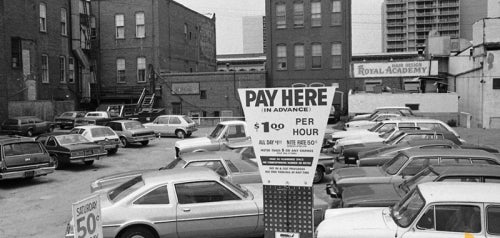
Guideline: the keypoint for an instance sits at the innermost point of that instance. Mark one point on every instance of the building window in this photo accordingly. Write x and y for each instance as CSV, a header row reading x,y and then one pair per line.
x,y
141,69
316,55
62,68
336,13
45,69
43,17
412,85
336,55
140,28
120,71
203,94
93,30
300,61
496,83
64,21
281,57
71,70
298,14
316,14
370,85
185,31
120,26
281,16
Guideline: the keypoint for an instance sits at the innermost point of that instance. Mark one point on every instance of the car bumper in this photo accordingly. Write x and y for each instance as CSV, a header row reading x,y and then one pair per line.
x,y
10,132
27,173
87,157
141,138
64,123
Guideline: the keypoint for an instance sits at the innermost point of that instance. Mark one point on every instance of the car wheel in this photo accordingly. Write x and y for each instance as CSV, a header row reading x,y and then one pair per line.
x,y
57,163
180,134
124,141
112,151
137,232
145,142
318,175
50,129
89,162
29,133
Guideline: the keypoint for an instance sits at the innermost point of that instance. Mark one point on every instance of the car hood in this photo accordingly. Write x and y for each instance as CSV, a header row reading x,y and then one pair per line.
x,y
374,195
361,117
479,147
346,221
202,141
109,181
356,172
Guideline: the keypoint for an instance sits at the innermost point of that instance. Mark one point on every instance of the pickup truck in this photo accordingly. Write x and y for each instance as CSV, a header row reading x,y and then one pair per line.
x,y
96,118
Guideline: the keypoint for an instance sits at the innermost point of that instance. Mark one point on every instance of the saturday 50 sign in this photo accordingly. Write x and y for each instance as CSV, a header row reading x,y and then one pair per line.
x,y
287,127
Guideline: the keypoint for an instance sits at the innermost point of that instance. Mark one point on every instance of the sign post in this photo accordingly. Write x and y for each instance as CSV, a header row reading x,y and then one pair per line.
x,y
287,127
87,222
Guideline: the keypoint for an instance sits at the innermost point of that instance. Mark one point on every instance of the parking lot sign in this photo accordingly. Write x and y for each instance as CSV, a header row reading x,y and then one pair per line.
x,y
87,222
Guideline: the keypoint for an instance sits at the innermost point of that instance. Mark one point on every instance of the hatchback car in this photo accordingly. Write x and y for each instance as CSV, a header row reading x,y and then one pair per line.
x,y
65,148
131,131
173,125
445,209
101,135
192,202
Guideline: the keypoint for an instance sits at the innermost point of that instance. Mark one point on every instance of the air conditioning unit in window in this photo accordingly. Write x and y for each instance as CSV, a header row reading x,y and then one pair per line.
x,y
282,65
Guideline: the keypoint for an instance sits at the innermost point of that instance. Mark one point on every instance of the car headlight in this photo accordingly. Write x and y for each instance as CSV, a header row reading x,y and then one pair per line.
x,y
77,153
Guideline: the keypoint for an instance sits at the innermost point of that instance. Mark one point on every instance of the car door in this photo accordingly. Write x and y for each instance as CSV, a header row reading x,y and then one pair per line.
x,y
174,123
210,209
448,221
161,126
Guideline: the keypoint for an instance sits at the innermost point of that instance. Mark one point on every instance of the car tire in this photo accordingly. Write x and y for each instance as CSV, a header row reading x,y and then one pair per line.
x,y
124,141
319,174
57,163
137,232
89,162
62,127
180,134
29,133
112,151
50,129
145,142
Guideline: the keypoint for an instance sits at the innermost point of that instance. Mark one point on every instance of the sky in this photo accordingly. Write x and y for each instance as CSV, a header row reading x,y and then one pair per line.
x,y
366,22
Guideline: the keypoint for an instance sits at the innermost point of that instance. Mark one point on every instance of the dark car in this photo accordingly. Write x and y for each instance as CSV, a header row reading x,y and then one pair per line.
x,y
67,119
384,195
27,125
23,158
66,148
131,131
405,165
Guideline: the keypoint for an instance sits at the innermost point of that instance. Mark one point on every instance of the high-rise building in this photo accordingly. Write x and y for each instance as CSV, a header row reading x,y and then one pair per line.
x,y
406,23
253,37
308,42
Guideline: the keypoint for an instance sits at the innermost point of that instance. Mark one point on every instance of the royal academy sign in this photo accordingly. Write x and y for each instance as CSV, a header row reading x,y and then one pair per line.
x,y
395,69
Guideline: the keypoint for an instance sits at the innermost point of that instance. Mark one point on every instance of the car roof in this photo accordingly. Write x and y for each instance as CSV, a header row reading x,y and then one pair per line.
x,y
178,175
208,155
447,152
122,121
5,139
24,117
474,170
57,133
460,192
429,142
171,115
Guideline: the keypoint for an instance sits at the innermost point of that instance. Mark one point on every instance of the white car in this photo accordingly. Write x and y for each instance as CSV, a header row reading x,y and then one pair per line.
x,y
440,209
366,124
403,111
101,135
173,125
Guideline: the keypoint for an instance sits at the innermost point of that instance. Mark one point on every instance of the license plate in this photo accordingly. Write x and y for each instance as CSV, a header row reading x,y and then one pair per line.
x,y
29,173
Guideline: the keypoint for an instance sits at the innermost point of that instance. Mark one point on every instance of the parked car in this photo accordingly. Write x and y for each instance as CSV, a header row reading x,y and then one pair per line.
x,y
27,125
23,158
195,202
173,125
381,155
405,165
370,122
225,132
67,119
131,131
404,111
65,148
384,195
96,118
446,209
101,135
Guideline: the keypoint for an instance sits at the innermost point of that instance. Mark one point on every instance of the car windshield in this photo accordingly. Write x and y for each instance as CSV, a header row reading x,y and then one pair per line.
x,y
388,133
217,131
187,119
101,132
406,112
236,187
133,125
116,194
408,208
392,166
177,163
395,138
11,122
425,175
96,114
68,114
23,148
376,126
71,139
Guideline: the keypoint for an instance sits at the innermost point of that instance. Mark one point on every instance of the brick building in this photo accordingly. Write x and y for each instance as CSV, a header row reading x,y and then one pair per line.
x,y
308,41
134,37
41,48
